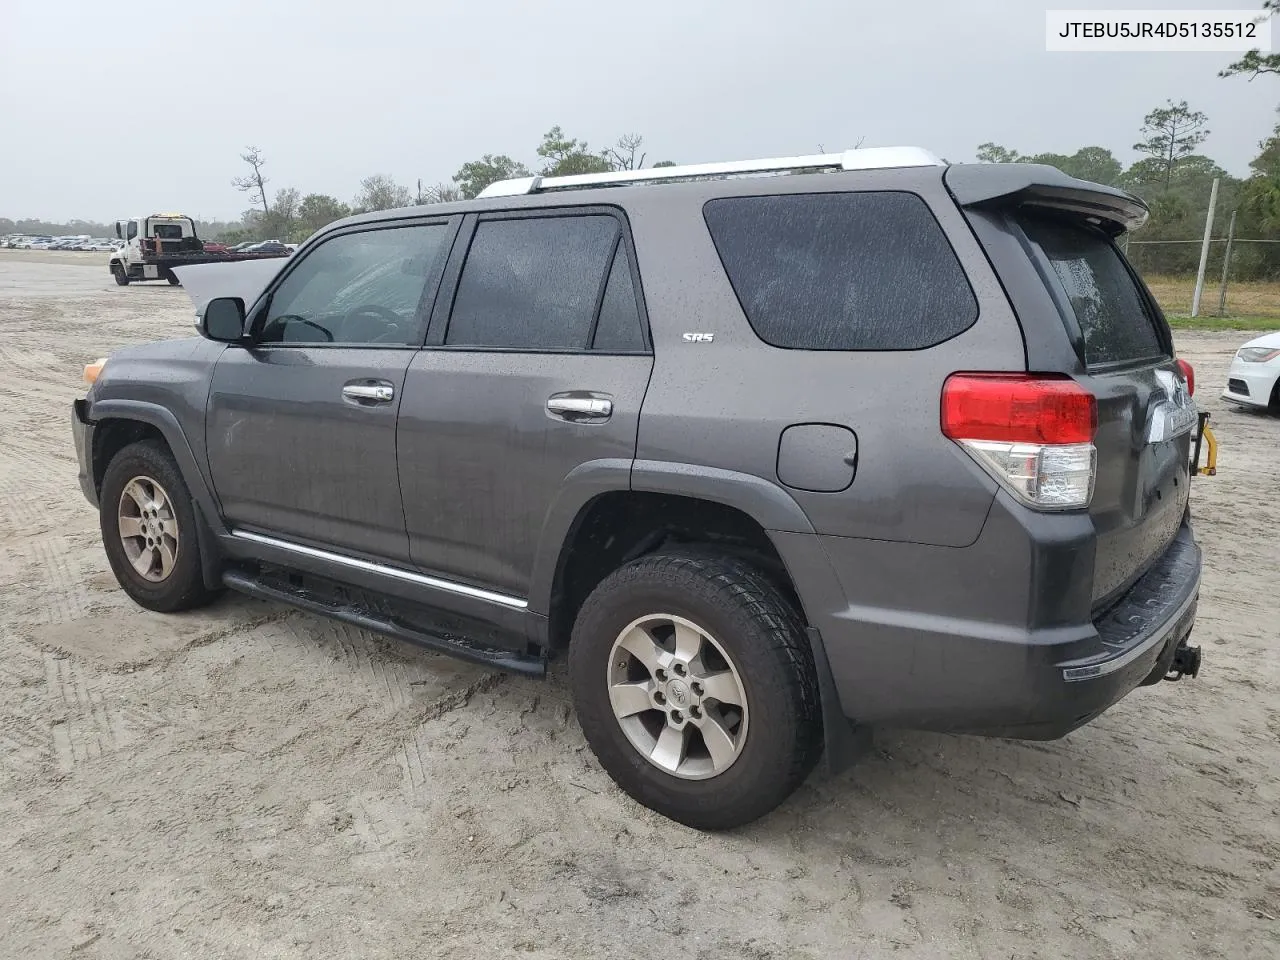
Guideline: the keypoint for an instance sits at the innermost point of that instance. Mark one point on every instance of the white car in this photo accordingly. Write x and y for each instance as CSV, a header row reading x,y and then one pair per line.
x,y
1254,377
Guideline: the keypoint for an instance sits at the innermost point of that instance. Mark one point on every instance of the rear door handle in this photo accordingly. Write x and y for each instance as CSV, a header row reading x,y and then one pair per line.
x,y
369,393
579,409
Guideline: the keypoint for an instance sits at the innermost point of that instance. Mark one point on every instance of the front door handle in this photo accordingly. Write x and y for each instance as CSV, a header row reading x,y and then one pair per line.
x,y
580,408
366,393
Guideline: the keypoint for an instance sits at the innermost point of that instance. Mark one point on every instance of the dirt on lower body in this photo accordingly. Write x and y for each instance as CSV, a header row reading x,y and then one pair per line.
x,y
247,781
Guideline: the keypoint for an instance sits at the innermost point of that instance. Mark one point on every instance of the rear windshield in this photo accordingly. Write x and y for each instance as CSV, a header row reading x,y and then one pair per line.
x,y
1115,322
842,271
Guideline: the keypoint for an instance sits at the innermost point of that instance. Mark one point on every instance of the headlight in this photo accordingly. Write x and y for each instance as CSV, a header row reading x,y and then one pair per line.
x,y
1258,354
94,370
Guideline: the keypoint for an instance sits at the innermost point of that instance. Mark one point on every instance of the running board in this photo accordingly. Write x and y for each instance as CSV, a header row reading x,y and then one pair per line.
x,y
386,625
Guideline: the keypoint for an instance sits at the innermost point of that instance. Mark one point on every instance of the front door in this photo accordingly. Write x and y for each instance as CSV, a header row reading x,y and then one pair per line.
x,y
301,426
542,367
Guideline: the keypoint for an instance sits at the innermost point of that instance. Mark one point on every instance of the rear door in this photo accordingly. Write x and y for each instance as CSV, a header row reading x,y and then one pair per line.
x,y
539,366
1123,354
301,426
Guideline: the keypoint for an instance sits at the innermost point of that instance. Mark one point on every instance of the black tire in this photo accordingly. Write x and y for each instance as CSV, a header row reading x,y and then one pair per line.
x,y
183,588
172,278
765,641
122,278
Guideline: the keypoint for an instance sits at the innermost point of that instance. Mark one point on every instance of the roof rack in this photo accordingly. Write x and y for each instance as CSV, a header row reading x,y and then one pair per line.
x,y
869,158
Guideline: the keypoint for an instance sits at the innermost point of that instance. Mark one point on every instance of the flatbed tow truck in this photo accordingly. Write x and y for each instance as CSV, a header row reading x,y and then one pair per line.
x,y
154,245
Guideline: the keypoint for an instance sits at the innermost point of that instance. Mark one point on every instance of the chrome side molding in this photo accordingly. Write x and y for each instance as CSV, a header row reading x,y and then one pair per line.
x,y
396,573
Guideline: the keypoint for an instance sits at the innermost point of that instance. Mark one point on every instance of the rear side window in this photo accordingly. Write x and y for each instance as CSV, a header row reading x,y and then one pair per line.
x,y
532,284
1115,322
619,330
842,271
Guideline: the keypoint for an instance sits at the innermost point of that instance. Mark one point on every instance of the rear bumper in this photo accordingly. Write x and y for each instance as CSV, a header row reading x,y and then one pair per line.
x,y
82,439
967,675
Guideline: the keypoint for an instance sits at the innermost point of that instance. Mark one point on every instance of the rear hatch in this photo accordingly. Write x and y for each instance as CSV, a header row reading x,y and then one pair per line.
x,y
1086,313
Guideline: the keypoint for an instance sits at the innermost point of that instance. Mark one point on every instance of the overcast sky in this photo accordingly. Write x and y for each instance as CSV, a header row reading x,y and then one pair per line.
x,y
110,110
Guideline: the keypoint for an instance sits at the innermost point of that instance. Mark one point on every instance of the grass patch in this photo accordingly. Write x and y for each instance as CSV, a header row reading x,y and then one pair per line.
x,y
1263,324
1255,303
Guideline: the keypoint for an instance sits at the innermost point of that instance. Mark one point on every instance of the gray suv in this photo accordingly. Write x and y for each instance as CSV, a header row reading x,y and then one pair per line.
x,y
772,452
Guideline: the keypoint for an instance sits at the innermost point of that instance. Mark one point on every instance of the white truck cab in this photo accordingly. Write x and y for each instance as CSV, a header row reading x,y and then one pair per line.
x,y
153,246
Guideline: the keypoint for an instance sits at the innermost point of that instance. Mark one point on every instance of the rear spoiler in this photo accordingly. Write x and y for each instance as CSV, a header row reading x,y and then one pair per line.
x,y
1038,185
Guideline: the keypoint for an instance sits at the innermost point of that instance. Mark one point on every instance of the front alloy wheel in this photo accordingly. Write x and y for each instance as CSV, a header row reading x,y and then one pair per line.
x,y
677,696
148,529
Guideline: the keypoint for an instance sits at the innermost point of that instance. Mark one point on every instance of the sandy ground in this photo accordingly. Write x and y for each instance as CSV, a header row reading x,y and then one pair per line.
x,y
252,782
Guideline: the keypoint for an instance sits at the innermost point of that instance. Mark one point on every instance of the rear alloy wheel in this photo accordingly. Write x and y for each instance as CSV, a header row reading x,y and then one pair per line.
x,y
148,528
677,696
695,686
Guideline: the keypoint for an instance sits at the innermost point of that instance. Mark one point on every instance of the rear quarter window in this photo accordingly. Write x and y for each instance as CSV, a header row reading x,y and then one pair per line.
x,y
1116,323
842,271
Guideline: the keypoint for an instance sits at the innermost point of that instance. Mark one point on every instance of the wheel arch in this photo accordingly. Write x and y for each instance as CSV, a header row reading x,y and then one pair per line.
x,y
757,515
116,423
762,504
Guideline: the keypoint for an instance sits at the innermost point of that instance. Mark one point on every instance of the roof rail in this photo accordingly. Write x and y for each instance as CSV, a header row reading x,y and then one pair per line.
x,y
869,158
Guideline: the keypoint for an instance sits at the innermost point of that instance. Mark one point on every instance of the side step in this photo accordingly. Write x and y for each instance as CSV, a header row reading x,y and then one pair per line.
x,y
386,625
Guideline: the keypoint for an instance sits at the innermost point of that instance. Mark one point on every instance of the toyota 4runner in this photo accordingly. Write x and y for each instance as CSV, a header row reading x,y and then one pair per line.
x,y
775,452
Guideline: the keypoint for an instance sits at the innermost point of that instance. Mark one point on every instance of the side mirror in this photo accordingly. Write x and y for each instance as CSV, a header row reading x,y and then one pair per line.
x,y
118,237
223,320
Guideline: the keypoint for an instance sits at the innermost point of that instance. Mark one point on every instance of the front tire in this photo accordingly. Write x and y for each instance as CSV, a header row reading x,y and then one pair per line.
x,y
118,271
694,684
148,528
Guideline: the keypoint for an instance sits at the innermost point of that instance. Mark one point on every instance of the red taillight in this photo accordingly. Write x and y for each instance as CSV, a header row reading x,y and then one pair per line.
x,y
1188,374
1018,408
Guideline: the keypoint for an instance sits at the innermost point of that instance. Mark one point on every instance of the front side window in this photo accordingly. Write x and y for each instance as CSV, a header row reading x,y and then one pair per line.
x,y
358,288
532,284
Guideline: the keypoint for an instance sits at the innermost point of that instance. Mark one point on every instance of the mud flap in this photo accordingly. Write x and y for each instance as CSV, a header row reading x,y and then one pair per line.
x,y
844,741
211,559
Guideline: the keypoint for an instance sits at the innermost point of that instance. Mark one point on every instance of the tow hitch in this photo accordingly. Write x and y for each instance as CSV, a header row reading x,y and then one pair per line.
x,y
1204,437
1186,662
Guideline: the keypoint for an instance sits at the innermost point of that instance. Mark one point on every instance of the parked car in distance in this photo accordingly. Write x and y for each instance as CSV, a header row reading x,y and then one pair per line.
x,y
1253,380
269,246
872,440
213,246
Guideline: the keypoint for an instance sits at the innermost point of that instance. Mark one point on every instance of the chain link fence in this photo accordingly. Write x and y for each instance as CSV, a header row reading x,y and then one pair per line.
x,y
1230,285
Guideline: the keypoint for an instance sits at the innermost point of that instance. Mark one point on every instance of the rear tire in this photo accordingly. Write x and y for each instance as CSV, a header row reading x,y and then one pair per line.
x,y
122,278
149,531
703,625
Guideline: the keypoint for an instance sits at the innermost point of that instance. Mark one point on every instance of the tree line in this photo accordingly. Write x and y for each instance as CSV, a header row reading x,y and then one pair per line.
x,y
288,214
1175,181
